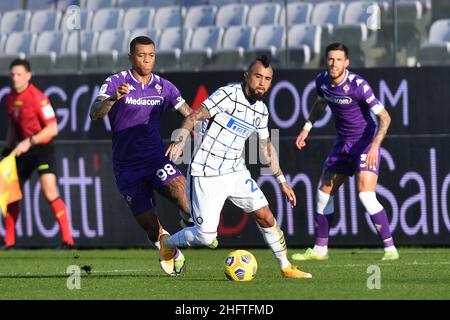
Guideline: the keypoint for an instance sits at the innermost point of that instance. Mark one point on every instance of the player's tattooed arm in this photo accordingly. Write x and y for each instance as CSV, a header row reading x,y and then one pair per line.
x,y
175,150
384,122
372,154
185,109
102,105
317,113
271,156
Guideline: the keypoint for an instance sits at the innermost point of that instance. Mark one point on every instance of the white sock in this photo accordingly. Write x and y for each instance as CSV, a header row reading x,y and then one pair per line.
x,y
322,250
391,248
190,237
156,243
274,238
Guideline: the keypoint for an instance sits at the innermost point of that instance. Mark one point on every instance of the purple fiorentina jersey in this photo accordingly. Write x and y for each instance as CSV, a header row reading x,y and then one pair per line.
x,y
135,118
351,102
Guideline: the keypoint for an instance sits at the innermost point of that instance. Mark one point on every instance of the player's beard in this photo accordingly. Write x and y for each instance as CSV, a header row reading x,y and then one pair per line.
x,y
337,76
255,96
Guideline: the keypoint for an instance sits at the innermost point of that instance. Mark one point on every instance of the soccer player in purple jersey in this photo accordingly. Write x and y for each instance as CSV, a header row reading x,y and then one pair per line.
x,y
134,101
356,149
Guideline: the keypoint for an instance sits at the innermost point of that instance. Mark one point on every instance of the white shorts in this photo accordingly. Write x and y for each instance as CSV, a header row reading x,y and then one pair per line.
x,y
207,195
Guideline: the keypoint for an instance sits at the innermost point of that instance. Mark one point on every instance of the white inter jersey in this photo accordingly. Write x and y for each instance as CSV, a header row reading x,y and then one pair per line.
x,y
233,119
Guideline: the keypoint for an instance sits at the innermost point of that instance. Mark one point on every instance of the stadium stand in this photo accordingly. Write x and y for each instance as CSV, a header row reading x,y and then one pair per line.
x,y
15,21
200,16
204,41
405,35
49,45
304,46
236,41
437,50
231,15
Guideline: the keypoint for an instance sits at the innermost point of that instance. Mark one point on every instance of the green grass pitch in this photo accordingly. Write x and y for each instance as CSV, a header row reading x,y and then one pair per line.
x,y
421,273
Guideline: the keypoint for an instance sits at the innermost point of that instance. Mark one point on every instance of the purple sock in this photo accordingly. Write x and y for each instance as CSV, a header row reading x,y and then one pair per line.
x,y
176,254
323,224
381,223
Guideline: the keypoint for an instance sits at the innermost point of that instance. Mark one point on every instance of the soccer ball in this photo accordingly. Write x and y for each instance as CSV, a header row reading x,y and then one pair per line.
x,y
240,265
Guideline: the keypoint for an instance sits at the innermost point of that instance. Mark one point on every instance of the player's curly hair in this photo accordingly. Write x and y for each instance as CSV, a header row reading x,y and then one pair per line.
x,y
263,59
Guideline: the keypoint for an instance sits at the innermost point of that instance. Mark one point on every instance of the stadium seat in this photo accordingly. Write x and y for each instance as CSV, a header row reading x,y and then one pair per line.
x,y
231,15
138,18
436,51
74,54
304,42
221,3
167,17
18,44
297,13
162,3
96,4
126,4
44,20
268,39
204,41
70,21
104,57
49,44
62,5
123,62
200,16
3,38
11,5
40,5
263,14
236,40
327,14
107,18
15,21
356,35
170,46
409,37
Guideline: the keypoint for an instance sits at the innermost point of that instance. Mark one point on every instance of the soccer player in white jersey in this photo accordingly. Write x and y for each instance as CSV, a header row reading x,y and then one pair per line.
x,y
218,172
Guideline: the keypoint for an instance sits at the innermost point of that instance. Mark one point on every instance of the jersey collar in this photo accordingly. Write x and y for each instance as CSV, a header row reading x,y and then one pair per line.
x,y
138,82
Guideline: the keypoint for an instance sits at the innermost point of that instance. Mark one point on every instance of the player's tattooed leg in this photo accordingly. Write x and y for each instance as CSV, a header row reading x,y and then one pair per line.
x,y
175,191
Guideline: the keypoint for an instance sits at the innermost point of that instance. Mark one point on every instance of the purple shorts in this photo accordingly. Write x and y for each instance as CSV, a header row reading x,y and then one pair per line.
x,y
347,157
137,185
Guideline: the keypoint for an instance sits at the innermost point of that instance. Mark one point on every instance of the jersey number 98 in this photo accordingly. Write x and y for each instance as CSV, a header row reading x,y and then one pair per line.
x,y
163,173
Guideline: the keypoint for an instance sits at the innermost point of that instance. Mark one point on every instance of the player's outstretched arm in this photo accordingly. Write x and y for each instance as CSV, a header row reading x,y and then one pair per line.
x,y
384,120
175,150
102,105
317,113
271,157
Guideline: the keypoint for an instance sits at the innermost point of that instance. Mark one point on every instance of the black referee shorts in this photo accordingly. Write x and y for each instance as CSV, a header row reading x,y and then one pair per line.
x,y
40,157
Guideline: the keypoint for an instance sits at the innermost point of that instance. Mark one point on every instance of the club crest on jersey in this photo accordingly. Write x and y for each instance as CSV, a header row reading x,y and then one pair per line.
x,y
18,103
158,88
257,121
346,88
